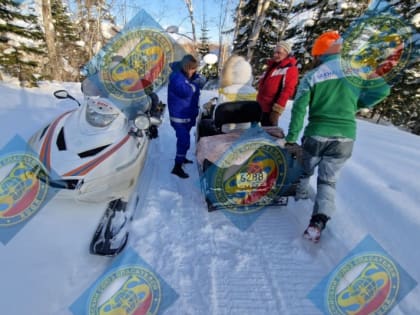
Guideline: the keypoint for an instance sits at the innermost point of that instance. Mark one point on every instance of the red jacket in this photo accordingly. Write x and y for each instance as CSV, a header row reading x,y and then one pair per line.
x,y
283,75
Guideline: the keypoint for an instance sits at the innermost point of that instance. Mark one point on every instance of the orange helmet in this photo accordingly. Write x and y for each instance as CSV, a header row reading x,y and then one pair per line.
x,y
327,43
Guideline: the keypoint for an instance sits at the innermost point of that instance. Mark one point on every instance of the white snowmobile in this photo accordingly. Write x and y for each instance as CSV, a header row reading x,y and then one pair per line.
x,y
99,150
98,154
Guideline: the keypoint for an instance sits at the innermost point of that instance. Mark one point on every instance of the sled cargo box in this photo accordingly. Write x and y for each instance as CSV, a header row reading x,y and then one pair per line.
x,y
241,164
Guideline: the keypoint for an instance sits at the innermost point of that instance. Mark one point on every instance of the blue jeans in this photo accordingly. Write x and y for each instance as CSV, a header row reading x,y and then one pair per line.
x,y
329,155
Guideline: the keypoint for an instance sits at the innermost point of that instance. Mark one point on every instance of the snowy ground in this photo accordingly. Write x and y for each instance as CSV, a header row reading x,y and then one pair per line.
x,y
205,263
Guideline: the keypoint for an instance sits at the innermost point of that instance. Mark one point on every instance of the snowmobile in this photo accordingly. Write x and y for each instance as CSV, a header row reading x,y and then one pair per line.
x,y
243,166
97,154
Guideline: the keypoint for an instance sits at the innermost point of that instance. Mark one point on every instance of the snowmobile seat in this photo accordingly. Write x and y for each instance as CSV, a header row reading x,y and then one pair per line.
x,y
230,116
236,115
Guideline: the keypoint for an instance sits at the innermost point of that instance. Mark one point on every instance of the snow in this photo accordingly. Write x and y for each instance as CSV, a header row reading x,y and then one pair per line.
x,y
416,20
206,265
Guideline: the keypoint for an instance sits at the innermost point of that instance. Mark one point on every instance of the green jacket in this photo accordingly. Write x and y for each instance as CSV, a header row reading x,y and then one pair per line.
x,y
333,98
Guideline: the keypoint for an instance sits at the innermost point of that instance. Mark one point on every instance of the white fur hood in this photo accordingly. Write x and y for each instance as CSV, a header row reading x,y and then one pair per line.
x,y
236,71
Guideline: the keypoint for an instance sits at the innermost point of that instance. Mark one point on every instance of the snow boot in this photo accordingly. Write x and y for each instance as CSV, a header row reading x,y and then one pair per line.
x,y
187,161
177,170
315,227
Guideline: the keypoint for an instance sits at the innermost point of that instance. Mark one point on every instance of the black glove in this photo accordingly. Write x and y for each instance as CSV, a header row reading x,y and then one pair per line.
x,y
153,132
294,149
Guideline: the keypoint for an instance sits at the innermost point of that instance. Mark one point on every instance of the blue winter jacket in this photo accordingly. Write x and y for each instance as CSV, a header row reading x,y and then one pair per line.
x,y
183,95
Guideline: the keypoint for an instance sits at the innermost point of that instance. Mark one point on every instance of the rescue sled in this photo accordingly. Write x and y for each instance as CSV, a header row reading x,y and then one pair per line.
x,y
243,166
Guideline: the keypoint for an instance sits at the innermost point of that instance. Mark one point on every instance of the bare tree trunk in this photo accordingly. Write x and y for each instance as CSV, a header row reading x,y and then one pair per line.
x,y
224,5
54,64
90,33
191,13
239,18
99,34
256,28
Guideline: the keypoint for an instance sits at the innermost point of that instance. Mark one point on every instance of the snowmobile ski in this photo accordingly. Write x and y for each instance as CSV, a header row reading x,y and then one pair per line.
x,y
111,234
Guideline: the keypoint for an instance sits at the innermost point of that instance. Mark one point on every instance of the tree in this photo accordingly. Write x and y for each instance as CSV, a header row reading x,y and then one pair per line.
x,y
402,107
204,47
260,14
309,20
69,50
190,8
54,66
91,17
224,34
21,43
261,26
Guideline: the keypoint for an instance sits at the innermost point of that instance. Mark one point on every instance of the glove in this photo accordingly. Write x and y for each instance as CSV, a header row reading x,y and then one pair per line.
x,y
199,81
160,107
274,118
276,112
278,109
153,132
294,150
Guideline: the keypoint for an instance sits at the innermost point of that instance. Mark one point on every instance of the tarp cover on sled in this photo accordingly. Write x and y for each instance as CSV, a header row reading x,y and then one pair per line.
x,y
243,165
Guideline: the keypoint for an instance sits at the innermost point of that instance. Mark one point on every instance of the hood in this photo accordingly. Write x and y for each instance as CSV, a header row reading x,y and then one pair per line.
x,y
236,71
175,66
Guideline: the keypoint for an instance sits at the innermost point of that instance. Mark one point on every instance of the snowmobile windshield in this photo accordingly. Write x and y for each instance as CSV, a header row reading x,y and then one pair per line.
x,y
100,112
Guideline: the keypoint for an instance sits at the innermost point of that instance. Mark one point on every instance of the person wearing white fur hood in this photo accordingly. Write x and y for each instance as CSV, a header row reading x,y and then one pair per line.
x,y
235,86
236,81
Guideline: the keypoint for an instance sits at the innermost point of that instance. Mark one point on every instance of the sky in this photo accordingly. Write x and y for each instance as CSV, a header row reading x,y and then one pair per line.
x,y
174,12
192,261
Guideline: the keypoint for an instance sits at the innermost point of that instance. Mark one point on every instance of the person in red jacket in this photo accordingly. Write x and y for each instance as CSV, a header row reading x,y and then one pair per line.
x,y
277,84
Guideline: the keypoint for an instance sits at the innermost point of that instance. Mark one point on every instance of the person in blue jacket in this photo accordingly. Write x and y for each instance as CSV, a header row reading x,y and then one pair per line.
x,y
183,95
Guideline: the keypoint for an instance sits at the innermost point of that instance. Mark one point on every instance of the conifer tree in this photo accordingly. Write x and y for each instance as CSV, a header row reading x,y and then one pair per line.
x,y
402,107
204,47
309,20
21,43
68,48
271,31
209,71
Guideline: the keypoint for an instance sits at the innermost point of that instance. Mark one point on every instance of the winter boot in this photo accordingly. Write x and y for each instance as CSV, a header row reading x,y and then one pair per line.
x,y
316,225
186,161
177,170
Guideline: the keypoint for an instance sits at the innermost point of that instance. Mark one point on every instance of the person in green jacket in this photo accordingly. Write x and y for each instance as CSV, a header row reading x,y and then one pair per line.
x,y
333,99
